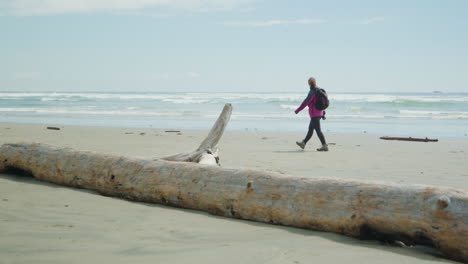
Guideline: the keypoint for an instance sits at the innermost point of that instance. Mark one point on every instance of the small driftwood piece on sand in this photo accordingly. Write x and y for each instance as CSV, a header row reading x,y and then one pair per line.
x,y
410,139
53,128
414,214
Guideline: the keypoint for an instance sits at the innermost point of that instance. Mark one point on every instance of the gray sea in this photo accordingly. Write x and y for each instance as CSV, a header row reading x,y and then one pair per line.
x,y
386,114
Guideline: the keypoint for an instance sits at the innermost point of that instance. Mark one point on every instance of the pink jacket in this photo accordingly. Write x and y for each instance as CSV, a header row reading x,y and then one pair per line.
x,y
310,102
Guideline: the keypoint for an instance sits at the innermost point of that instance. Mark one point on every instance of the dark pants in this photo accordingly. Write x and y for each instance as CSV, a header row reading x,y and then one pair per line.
x,y
315,125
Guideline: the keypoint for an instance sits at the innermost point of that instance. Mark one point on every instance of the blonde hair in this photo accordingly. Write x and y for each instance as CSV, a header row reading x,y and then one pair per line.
x,y
312,82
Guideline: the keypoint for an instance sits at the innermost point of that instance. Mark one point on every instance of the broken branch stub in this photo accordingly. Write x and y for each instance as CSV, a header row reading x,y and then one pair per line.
x,y
208,146
217,130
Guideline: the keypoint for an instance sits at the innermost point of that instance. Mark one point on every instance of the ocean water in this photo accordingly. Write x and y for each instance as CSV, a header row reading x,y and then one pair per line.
x,y
416,115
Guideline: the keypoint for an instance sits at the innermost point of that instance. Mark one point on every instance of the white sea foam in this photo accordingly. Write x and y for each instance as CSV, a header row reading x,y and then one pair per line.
x,y
94,112
434,114
359,116
170,97
203,98
261,116
17,109
358,108
23,94
362,97
185,101
86,95
290,107
383,98
48,99
261,96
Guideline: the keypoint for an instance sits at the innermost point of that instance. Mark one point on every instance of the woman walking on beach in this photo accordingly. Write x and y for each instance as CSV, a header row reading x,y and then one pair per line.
x,y
315,116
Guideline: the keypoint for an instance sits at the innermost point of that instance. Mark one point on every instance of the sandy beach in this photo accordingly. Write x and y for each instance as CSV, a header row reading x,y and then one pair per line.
x,y
46,223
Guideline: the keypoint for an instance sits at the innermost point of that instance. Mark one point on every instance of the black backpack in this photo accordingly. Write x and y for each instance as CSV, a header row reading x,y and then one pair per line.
x,y
322,101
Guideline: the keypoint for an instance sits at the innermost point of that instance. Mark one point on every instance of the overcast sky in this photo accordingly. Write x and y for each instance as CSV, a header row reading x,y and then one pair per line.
x,y
233,45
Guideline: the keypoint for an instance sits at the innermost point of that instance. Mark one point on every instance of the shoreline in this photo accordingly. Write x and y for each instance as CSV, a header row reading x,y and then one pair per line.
x,y
246,129
43,222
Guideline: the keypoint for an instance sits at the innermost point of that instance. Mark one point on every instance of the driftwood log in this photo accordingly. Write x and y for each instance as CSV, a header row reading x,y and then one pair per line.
x,y
414,214
410,139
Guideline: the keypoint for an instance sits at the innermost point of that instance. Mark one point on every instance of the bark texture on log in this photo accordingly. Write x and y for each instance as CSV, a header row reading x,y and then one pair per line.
x,y
209,144
414,214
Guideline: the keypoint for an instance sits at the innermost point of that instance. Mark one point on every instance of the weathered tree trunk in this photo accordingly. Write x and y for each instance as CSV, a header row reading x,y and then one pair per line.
x,y
207,153
413,214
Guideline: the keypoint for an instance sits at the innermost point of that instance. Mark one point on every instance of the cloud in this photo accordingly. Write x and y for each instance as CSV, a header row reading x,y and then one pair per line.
x,y
48,7
371,20
270,23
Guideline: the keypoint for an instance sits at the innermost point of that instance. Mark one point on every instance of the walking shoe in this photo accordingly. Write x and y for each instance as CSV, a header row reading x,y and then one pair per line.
x,y
301,144
323,148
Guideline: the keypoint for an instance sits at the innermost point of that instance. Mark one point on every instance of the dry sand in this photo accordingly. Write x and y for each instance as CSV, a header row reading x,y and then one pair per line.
x,y
47,223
